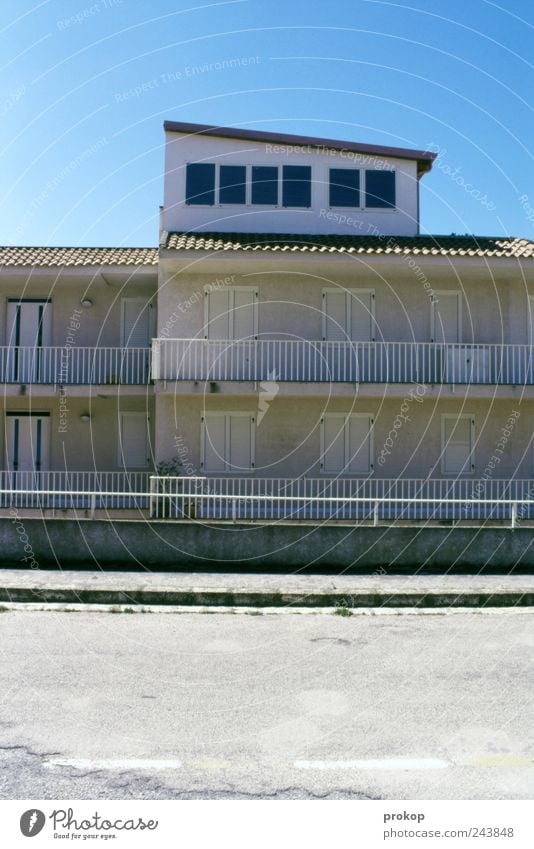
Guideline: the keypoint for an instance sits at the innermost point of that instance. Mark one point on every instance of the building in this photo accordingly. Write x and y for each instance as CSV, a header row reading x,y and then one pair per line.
x,y
294,349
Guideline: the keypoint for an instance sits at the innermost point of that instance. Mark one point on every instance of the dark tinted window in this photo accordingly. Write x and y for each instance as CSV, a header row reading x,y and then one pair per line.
x,y
200,184
265,184
297,185
232,184
344,187
380,189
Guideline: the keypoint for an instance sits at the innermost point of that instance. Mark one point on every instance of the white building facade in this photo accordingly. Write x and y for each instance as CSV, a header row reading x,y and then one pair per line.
x,y
294,350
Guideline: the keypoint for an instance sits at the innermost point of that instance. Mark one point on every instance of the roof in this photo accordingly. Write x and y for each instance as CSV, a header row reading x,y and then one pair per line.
x,y
424,158
483,246
39,257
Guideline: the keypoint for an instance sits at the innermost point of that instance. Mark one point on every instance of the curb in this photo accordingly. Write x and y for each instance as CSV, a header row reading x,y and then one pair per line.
x,y
237,598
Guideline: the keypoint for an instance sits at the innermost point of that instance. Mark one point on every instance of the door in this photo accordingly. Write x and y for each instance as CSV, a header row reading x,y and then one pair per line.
x,y
27,452
231,326
134,450
136,329
28,332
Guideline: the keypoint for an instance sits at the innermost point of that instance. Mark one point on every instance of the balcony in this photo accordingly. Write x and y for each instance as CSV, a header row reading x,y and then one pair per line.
x,y
341,362
50,490
63,366
374,500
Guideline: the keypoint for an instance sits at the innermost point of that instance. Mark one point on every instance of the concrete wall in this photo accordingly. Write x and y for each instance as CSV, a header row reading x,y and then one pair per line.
x,y
172,546
182,149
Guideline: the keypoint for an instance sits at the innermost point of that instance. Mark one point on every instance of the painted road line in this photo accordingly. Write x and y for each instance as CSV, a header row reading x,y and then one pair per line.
x,y
119,763
382,763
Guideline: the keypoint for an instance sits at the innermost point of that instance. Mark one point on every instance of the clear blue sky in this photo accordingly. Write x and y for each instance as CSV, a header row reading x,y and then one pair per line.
x,y
82,153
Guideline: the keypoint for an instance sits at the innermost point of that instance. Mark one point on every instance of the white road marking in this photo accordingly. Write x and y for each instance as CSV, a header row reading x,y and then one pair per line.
x,y
121,763
385,763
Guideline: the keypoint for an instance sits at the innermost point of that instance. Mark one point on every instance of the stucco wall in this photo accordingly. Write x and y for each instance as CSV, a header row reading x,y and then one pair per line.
x,y
181,149
288,438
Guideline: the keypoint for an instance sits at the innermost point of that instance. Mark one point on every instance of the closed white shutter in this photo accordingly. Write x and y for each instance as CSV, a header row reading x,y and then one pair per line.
x,y
333,443
231,313
227,442
133,440
244,310
446,317
335,315
217,315
240,443
361,309
457,450
214,443
348,315
135,323
359,437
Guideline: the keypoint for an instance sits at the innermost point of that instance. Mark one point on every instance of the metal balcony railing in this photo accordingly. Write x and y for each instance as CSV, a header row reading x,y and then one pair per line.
x,y
74,490
318,499
337,362
62,366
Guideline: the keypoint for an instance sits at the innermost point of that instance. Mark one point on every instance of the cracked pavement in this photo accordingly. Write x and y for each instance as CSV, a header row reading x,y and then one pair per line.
x,y
192,706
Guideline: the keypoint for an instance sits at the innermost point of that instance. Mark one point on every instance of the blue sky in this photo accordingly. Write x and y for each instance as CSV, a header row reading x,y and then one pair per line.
x,y
85,88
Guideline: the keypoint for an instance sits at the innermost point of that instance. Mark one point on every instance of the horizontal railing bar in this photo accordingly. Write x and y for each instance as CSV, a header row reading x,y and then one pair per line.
x,y
257,497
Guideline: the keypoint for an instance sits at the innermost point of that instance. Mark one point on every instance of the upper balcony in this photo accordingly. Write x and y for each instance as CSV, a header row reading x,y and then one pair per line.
x,y
74,366
342,362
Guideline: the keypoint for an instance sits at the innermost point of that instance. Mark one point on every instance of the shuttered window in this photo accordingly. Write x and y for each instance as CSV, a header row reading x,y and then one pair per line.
x,y
264,185
227,443
457,434
133,441
347,443
348,315
231,313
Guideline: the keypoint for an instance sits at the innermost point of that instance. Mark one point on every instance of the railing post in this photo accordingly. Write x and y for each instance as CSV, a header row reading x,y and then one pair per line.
x,y
93,505
514,515
375,514
153,497
156,359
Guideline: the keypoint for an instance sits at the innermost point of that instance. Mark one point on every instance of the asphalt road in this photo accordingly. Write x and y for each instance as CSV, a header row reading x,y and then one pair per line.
x,y
276,705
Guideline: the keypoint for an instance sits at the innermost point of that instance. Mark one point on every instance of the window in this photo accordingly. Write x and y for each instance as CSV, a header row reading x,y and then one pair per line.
x,y
344,187
231,313
348,315
457,445
200,184
347,443
296,189
232,184
380,189
227,442
264,185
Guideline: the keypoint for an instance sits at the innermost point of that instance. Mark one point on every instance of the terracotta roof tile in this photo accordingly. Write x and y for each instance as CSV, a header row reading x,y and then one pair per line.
x,y
483,246
39,257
